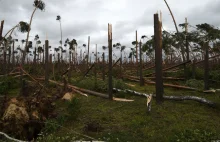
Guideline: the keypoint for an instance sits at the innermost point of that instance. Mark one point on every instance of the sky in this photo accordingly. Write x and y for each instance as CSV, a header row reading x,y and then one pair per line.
x,y
83,18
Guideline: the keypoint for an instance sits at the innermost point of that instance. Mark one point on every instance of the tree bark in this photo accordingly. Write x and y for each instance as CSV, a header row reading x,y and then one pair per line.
x,y
158,59
46,62
110,93
206,66
141,66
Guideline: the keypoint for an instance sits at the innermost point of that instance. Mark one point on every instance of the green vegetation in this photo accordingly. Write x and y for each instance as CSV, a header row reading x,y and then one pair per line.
x,y
113,121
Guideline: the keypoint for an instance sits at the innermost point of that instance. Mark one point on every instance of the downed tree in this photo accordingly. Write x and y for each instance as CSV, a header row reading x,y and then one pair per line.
x,y
167,78
91,92
132,78
175,98
169,68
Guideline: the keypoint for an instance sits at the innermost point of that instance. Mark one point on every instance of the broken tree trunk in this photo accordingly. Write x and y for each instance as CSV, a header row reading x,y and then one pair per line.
x,y
158,59
175,98
206,66
46,62
89,70
103,66
110,62
141,66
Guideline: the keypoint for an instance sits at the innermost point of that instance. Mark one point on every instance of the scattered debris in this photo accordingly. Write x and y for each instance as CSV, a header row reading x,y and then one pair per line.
x,y
68,96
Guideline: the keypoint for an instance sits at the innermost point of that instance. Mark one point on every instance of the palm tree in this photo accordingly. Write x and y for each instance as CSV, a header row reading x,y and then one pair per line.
x,y
61,34
38,4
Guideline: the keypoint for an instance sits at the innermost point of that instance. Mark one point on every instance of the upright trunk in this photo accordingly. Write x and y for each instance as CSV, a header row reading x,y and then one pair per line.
x,y
9,58
13,55
27,38
35,52
187,44
141,66
43,54
46,62
103,66
121,65
206,64
158,58
88,52
136,49
110,87
70,68
1,29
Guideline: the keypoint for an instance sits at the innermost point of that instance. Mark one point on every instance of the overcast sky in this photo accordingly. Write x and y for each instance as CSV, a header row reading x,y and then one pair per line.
x,y
83,18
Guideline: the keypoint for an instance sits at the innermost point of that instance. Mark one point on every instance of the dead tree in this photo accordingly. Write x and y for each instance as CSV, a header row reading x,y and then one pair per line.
x,y
206,66
158,58
110,93
141,66
46,62
103,66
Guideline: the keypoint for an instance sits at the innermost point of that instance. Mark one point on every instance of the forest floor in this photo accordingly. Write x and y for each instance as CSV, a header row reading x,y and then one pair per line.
x,y
113,121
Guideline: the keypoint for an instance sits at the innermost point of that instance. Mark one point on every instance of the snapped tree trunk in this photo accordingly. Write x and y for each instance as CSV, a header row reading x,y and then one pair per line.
x,y
158,59
206,64
110,93
141,66
46,62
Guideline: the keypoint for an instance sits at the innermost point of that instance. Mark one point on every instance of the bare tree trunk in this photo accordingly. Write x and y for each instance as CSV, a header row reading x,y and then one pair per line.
x,y
103,66
35,52
27,38
110,93
1,29
88,52
158,59
141,66
46,62
206,64
13,55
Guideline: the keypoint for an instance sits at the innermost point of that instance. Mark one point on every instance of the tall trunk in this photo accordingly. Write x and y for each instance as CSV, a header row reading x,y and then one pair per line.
x,y
103,66
141,66
206,66
46,62
110,92
158,58
9,58
43,54
61,43
121,64
136,49
88,51
13,55
35,52
1,29
27,38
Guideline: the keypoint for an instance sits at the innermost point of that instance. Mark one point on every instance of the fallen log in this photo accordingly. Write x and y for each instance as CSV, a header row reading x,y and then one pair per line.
x,y
82,90
92,92
10,74
169,68
165,84
209,58
166,78
175,98
193,98
149,68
